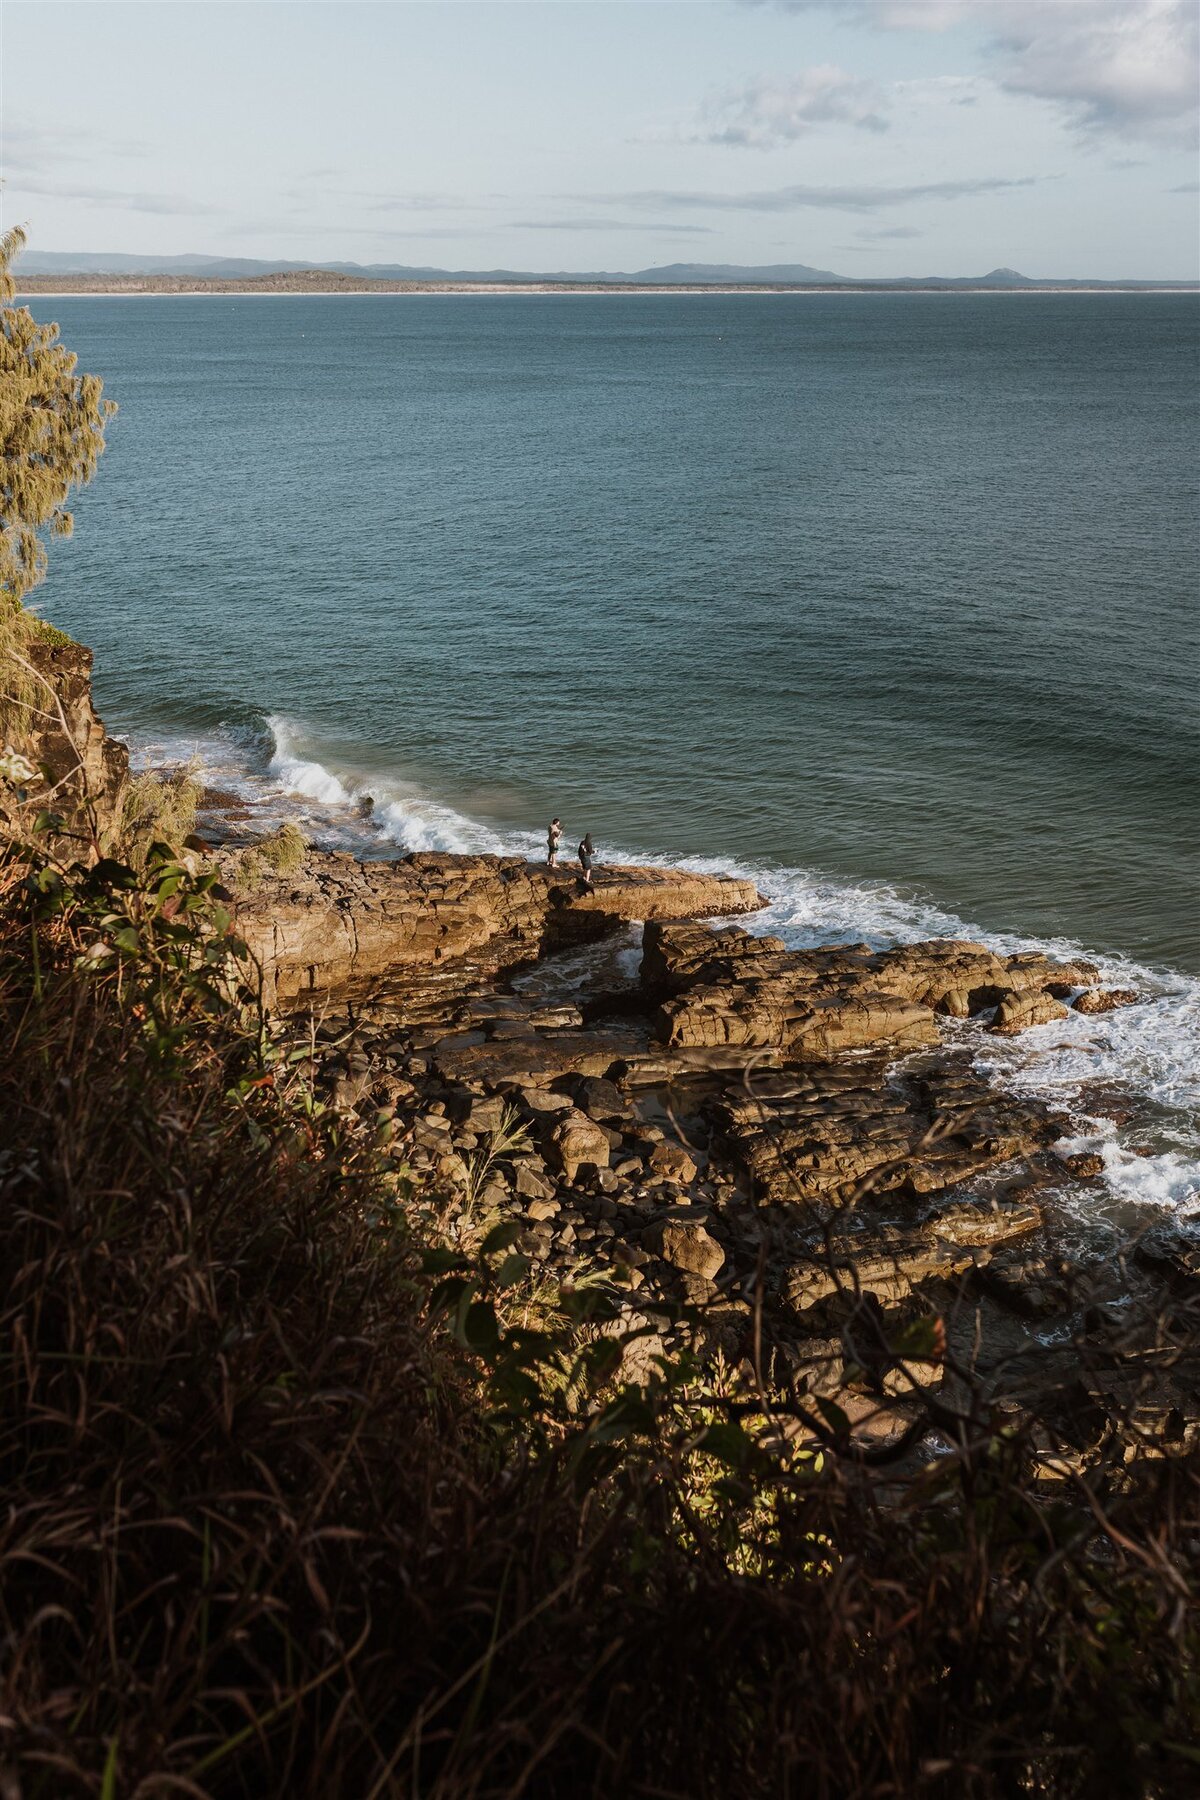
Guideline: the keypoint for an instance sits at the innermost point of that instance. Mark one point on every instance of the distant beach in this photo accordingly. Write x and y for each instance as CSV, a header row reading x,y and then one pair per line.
x,y
59,287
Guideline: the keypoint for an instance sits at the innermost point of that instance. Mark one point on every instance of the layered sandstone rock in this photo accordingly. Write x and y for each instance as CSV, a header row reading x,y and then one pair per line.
x,y
888,1261
813,1141
341,926
1101,1000
83,773
726,988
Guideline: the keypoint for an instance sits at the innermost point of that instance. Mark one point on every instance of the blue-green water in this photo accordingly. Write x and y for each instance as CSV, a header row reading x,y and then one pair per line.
x,y
889,599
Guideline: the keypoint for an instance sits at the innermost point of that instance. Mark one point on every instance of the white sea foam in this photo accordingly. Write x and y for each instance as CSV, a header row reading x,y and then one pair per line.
x,y
401,813
1150,1052
295,773
1168,1181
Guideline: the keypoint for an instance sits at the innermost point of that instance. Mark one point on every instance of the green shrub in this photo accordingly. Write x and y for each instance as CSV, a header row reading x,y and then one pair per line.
x,y
47,633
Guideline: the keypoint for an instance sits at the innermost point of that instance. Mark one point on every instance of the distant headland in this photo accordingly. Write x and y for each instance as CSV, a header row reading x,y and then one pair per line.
x,y
97,272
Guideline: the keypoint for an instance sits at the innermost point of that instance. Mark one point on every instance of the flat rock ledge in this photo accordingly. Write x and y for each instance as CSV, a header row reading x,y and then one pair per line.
x,y
343,926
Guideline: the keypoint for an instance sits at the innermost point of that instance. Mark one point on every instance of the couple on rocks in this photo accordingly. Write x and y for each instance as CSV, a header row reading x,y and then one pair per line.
x,y
586,851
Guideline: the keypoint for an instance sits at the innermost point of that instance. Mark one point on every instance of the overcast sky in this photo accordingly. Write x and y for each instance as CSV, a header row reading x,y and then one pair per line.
x,y
873,137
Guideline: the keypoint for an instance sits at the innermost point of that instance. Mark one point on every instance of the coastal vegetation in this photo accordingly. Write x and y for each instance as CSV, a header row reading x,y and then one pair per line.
x,y
159,807
52,422
282,852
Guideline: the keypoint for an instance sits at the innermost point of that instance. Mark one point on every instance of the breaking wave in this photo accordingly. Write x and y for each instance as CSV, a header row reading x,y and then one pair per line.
x,y
1130,1079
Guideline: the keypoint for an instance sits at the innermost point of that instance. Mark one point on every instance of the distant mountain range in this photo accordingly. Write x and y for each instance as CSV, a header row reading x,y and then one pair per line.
x,y
226,268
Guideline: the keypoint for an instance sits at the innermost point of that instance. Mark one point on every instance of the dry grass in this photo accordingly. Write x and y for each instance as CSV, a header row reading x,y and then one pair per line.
x,y
20,631
160,806
281,854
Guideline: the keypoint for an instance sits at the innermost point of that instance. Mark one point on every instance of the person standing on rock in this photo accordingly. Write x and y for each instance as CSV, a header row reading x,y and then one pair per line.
x,y
586,856
553,839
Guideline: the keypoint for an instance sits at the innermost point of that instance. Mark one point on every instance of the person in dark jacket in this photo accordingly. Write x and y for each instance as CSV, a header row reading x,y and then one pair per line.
x,y
553,839
586,858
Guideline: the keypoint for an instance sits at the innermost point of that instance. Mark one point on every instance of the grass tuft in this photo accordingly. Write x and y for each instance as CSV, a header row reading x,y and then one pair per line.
x,y
160,806
281,854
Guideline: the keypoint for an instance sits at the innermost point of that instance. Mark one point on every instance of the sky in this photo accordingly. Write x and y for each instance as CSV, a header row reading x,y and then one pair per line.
x,y
871,137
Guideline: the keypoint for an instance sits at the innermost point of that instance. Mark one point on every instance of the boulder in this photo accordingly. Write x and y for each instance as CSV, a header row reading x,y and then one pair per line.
x,y
688,1247
479,1113
1102,1000
575,1143
673,1163
599,1099
530,1183
1020,1010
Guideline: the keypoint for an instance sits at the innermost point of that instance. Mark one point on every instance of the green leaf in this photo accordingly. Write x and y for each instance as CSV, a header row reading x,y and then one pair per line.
x,y
480,1330
451,1292
922,1340
438,1262
729,1444
513,1269
739,1493
501,1237
108,1781
109,873
833,1416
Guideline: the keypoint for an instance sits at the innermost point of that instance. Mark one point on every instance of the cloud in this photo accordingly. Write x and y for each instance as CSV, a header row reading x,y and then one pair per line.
x,y
421,203
38,147
1186,187
764,113
174,205
1113,65
863,199
607,225
891,231
1110,66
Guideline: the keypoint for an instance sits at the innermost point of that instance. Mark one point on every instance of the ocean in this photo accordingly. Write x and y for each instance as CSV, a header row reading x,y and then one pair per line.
x,y
887,600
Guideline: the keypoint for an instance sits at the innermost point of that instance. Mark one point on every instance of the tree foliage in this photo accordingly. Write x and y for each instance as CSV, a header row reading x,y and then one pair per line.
x,y
51,433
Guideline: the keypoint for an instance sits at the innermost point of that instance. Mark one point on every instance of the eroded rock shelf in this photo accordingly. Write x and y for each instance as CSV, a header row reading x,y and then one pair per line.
x,y
777,1138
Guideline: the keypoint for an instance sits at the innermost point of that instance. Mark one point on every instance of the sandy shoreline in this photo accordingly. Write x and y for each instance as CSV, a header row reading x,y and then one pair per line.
x,y
55,290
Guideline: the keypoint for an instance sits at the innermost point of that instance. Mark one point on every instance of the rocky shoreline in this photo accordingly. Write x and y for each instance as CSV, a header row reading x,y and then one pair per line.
x,y
770,1153
790,1150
